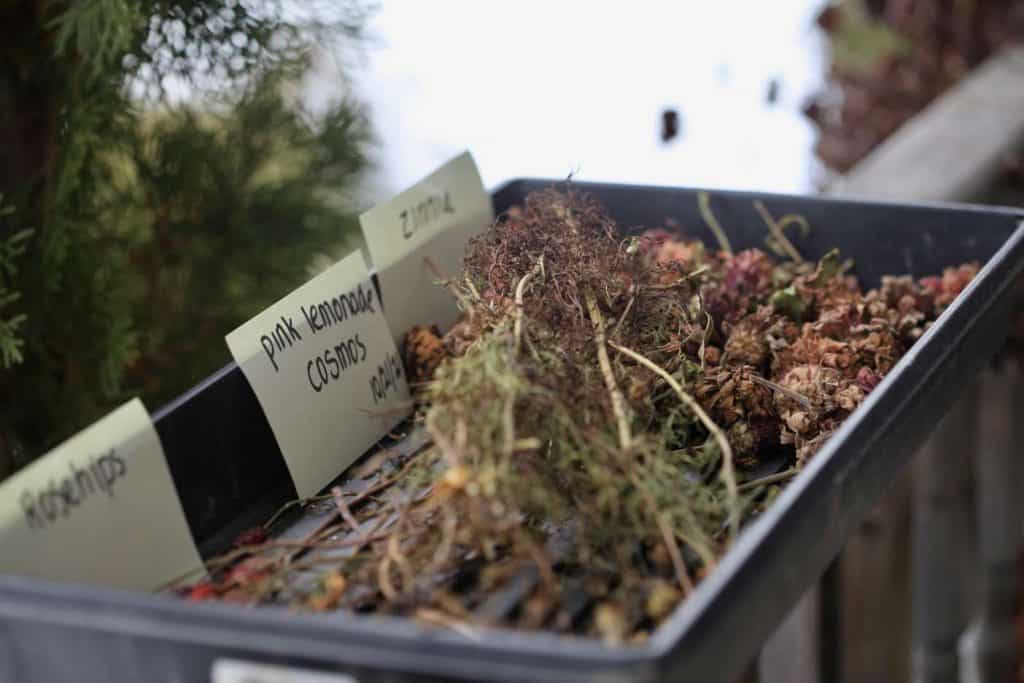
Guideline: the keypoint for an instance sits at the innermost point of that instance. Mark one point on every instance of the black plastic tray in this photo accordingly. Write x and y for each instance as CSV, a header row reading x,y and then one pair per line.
x,y
227,467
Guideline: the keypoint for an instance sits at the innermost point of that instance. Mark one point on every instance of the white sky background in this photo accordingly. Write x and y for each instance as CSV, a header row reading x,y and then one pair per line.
x,y
540,89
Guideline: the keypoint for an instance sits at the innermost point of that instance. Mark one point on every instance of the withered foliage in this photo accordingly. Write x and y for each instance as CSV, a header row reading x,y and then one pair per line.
x,y
605,416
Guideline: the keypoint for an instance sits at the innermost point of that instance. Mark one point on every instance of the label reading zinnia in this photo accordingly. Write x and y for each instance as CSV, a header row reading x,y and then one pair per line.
x,y
421,235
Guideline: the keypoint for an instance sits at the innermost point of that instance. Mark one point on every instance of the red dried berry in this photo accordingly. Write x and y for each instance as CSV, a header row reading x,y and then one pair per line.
x,y
253,536
202,591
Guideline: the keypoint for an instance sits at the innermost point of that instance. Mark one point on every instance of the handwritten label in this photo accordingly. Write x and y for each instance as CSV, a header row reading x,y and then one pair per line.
x,y
432,220
326,372
101,508
238,671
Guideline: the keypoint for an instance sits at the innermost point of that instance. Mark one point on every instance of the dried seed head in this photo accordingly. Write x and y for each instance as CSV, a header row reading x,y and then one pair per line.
x,y
798,420
849,396
744,280
423,351
610,622
457,477
729,393
744,444
335,583
868,379
747,343
952,282
661,600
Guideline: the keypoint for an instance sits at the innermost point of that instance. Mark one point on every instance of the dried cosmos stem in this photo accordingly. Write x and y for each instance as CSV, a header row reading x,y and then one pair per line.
x,y
605,418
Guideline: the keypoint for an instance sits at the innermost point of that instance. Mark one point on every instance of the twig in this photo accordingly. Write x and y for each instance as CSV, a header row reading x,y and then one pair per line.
x,y
681,281
448,450
449,526
346,514
542,562
704,202
728,471
804,402
399,558
508,423
320,531
384,579
794,219
709,321
706,556
622,318
520,291
770,479
776,230
618,401
673,552
290,504
467,305
667,535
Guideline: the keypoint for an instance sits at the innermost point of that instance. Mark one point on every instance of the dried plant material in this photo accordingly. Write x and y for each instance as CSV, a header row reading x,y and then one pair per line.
x,y
608,414
424,352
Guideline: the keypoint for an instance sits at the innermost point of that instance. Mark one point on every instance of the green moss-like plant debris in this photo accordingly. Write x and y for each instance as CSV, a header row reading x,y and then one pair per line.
x,y
603,421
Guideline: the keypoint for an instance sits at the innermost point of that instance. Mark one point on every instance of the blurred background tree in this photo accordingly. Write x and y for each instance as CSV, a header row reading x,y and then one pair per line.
x,y
135,232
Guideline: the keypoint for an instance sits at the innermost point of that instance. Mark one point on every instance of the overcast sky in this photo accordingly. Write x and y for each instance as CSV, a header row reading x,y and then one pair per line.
x,y
537,88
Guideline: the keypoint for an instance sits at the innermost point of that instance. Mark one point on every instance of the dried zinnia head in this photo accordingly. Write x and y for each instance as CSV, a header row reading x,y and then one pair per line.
x,y
750,440
809,393
952,282
423,352
746,279
730,393
747,343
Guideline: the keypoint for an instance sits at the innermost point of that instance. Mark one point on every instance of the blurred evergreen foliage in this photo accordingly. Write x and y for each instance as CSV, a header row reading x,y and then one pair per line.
x,y
135,233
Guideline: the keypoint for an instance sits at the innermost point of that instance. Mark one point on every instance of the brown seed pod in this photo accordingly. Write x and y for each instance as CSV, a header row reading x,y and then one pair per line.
x,y
423,352
729,393
747,343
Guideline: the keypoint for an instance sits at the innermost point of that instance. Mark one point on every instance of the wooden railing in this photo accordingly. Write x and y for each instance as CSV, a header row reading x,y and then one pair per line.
x,y
927,589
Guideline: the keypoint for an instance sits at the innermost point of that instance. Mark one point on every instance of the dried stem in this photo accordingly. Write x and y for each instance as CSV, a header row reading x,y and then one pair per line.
x,y
804,402
384,579
451,455
509,424
618,400
776,230
706,555
673,552
770,479
399,558
541,560
728,470
293,503
520,291
343,509
466,304
622,318
704,201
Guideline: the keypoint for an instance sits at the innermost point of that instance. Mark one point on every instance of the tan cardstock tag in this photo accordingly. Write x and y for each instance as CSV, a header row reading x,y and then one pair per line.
x,y
326,372
101,508
433,219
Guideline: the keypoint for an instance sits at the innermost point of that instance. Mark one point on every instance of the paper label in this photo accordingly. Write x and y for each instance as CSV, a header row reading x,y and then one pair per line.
x,y
237,671
101,508
433,219
326,372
